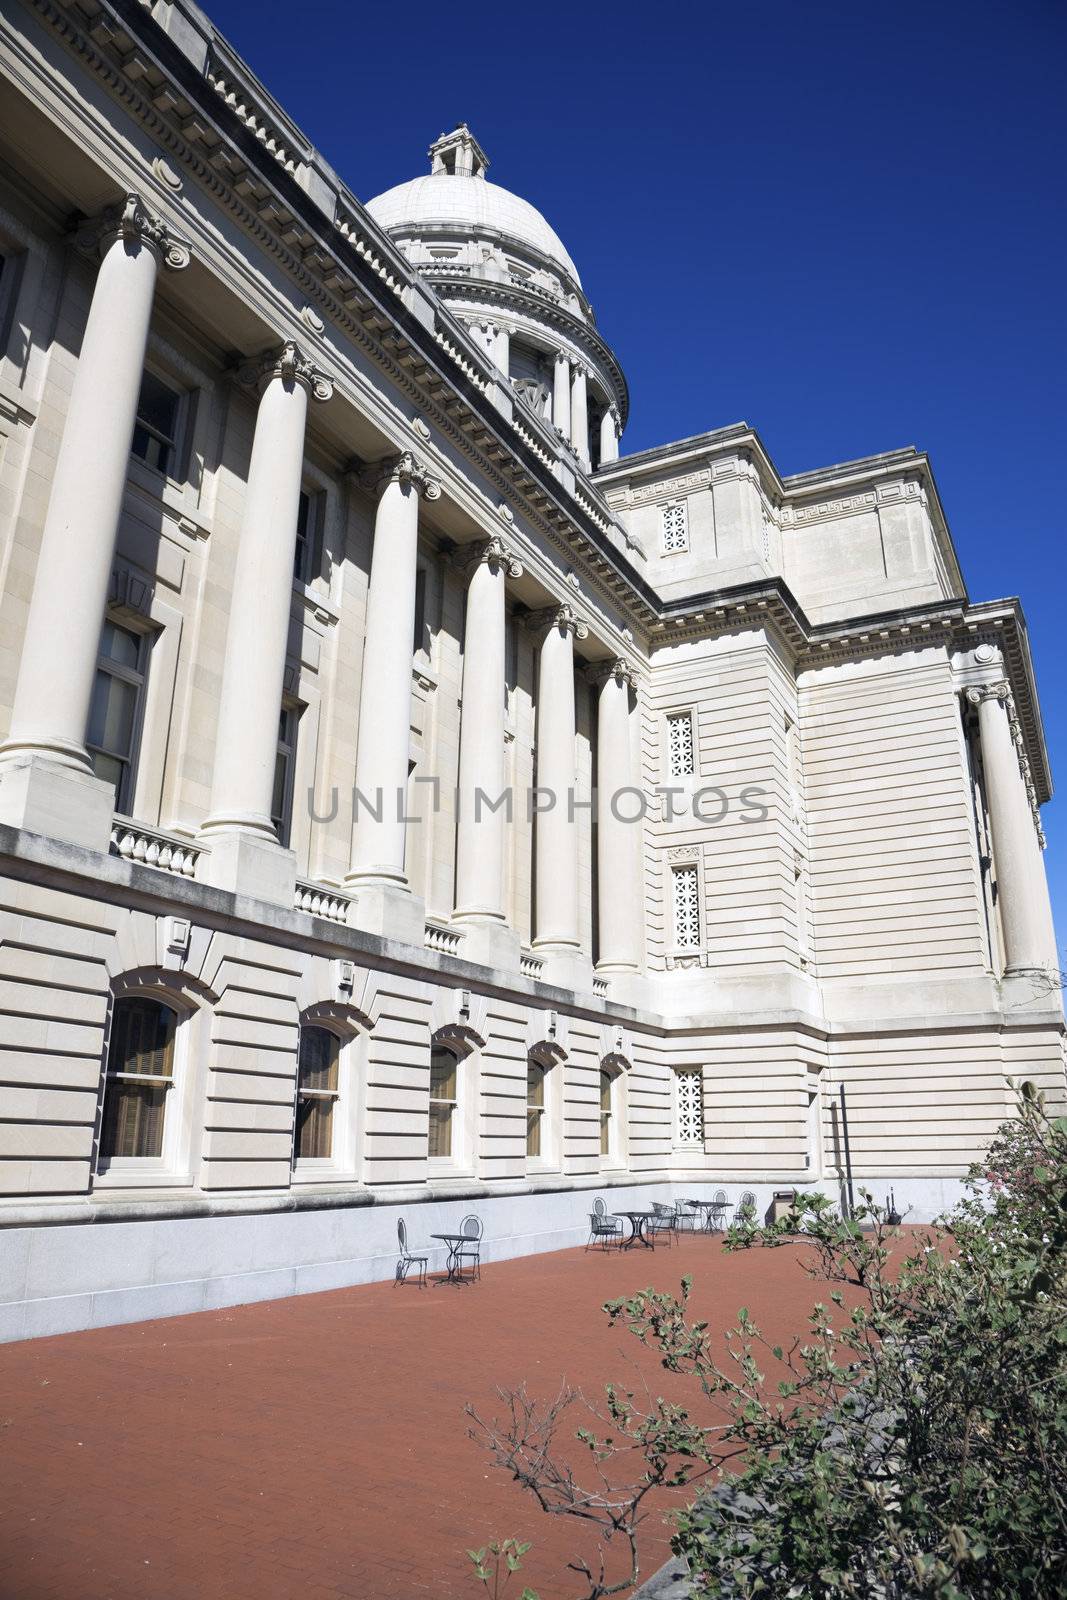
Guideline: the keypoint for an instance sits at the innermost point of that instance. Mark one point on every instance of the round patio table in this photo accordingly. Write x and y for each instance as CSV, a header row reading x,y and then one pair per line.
x,y
714,1213
638,1221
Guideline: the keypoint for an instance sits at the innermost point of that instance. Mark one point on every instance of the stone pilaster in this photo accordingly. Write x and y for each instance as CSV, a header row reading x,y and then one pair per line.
x,y
46,780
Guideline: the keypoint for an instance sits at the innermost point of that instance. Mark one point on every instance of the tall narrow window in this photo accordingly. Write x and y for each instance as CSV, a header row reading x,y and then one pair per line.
x,y
115,709
307,559
155,432
689,1106
685,892
813,1152
419,641
675,527
318,1088
535,1108
607,1095
443,1099
681,747
140,1072
792,769
281,806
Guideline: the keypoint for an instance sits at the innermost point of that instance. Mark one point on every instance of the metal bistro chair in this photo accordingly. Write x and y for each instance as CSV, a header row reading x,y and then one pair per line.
x,y
603,1226
407,1259
685,1216
717,1211
471,1248
745,1210
664,1219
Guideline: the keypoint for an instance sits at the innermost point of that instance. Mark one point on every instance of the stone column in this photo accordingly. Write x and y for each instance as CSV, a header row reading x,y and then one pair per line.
x,y
580,415
556,829
480,831
1022,889
609,436
501,351
47,782
244,852
618,840
561,397
384,903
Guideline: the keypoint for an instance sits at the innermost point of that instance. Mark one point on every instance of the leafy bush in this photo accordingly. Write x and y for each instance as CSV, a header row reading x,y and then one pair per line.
x,y
912,1443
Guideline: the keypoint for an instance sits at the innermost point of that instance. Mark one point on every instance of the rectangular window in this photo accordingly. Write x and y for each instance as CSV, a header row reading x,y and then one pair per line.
x,y
535,1108
675,527
813,1152
443,1073
307,559
681,747
419,642
689,1106
317,1093
140,1071
685,894
115,709
155,432
281,807
606,1091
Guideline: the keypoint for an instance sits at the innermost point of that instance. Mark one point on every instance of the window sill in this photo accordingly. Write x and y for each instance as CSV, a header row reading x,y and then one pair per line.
x,y
133,1176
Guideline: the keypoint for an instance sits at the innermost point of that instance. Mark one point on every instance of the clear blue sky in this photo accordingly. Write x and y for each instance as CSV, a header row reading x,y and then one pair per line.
x,y
843,223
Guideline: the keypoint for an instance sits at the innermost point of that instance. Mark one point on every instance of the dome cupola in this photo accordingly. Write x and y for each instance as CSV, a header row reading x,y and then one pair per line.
x,y
500,266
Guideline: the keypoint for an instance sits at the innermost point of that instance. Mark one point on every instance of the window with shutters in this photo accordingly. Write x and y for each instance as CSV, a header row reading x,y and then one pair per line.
x,y
681,750
675,527
689,1106
685,895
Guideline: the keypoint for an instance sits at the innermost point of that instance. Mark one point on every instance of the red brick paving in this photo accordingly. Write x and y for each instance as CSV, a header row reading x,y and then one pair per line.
x,y
316,1448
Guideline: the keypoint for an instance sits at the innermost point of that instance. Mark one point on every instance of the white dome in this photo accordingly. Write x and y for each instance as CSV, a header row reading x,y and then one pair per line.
x,y
469,205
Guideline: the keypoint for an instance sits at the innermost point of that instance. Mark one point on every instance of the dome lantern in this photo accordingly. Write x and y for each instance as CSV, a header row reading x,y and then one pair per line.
x,y
459,154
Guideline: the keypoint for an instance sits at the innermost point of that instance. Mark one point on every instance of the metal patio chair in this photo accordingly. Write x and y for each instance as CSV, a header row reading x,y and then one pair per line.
x,y
471,1249
407,1258
717,1211
745,1210
664,1219
603,1226
685,1216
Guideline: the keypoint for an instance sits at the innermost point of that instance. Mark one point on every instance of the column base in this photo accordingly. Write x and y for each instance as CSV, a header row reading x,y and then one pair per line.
x,y
1032,988
48,797
566,966
389,911
248,864
490,943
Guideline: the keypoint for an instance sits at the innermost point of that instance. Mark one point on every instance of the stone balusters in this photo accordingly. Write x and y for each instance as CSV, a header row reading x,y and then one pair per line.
x,y
483,811
47,784
619,839
384,902
1022,889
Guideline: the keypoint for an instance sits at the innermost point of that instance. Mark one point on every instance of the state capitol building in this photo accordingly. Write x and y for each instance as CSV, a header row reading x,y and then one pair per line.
x,y
410,801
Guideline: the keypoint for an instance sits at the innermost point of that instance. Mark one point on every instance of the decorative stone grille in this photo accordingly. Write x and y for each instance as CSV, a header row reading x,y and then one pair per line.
x,y
686,893
689,1106
675,528
680,747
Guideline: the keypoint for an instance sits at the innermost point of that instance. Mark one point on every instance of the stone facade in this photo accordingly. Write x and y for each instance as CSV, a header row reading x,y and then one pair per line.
x,y
452,812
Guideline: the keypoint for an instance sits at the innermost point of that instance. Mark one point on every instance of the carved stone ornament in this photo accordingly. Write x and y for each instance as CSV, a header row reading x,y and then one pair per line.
x,y
131,220
404,468
620,670
291,365
493,552
562,616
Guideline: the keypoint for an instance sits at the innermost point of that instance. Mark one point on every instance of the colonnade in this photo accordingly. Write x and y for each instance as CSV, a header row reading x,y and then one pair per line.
x,y
570,396
63,629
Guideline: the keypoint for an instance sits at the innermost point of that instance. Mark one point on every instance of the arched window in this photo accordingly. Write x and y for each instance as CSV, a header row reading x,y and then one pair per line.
x,y
318,1088
139,1075
535,1109
444,1067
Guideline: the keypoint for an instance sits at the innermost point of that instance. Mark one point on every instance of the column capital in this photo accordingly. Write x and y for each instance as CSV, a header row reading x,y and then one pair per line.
x,y
493,553
404,468
289,363
989,691
562,616
599,672
1000,691
132,220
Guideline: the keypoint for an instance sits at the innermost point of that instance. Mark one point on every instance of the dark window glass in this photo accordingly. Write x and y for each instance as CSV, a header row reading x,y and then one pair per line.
x,y
156,428
140,1072
317,1092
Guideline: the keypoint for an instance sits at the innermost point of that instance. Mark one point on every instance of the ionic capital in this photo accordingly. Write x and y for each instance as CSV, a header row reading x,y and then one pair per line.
x,y
600,672
493,553
405,469
131,220
989,691
291,365
562,616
